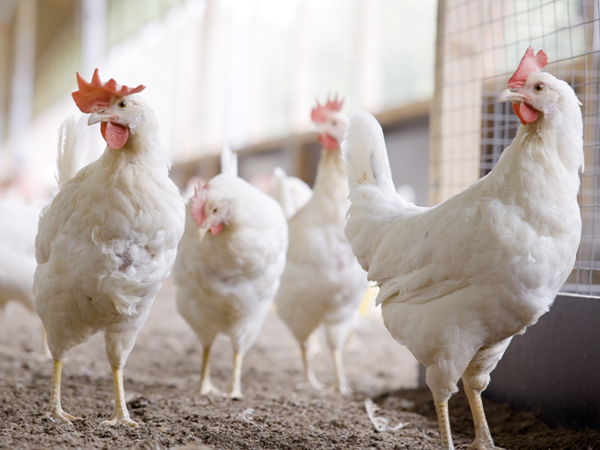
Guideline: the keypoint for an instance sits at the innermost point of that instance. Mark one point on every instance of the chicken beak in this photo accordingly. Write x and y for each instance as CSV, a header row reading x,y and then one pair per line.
x,y
98,116
511,96
202,231
318,128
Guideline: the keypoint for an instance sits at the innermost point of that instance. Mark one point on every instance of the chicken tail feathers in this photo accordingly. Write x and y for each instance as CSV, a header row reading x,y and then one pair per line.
x,y
282,192
71,145
229,161
365,153
375,205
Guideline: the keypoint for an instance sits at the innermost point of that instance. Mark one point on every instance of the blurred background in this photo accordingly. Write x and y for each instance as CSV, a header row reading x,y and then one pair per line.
x,y
236,72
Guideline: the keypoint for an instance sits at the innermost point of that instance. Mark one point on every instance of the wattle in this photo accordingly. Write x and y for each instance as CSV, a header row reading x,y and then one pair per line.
x,y
526,113
114,134
328,142
216,228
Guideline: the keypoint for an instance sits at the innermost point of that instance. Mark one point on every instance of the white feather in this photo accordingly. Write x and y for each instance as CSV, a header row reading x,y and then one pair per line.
x,y
365,153
290,192
229,161
71,146
380,423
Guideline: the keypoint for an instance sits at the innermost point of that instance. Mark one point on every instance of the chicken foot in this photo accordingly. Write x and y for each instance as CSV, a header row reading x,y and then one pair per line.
x,y
54,409
483,438
120,414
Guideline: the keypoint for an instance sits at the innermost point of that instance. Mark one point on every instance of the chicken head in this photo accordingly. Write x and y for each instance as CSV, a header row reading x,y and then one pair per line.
x,y
112,105
330,123
530,90
209,213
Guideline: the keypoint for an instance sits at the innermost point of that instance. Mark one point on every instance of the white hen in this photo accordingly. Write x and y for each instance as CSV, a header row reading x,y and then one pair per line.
x,y
108,240
228,267
459,280
322,282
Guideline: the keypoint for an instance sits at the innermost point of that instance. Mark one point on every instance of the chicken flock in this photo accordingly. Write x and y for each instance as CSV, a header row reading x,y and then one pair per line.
x,y
456,281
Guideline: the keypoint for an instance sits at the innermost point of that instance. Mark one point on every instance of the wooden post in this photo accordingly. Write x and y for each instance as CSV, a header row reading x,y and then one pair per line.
x,y
7,10
435,119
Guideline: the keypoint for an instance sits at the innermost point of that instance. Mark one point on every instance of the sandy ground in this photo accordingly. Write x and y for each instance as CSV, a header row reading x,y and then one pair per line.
x,y
278,411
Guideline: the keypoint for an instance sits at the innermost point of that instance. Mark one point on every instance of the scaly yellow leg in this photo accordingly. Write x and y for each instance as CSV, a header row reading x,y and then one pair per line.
x,y
120,414
441,407
309,375
54,409
236,385
340,376
206,386
483,438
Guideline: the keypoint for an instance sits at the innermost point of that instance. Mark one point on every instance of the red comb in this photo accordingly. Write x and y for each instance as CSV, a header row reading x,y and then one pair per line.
x,y
94,95
197,203
320,113
529,65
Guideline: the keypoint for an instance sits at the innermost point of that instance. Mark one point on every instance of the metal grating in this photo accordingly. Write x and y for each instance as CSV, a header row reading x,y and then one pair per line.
x,y
569,32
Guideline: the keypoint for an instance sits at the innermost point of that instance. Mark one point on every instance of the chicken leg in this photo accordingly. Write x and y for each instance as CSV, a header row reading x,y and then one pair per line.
x,y
475,380
54,409
120,414
206,386
309,374
483,438
441,408
236,386
341,384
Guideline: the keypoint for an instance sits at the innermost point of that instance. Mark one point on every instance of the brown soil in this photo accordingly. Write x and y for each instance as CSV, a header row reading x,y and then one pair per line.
x,y
162,375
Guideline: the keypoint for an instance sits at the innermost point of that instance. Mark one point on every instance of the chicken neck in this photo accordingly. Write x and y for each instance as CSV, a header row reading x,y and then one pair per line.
x,y
331,185
144,145
543,162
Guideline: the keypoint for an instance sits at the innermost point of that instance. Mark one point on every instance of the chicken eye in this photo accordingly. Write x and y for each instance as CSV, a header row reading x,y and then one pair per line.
x,y
538,87
334,123
215,210
122,104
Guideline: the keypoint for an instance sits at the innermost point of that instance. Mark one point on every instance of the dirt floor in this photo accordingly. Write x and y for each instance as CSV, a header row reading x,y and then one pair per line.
x,y
279,411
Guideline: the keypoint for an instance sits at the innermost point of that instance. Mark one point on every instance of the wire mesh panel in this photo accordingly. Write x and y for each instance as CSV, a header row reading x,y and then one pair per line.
x,y
569,32
499,126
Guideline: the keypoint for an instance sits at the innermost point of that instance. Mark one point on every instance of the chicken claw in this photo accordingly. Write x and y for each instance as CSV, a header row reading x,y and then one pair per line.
x,y
481,446
55,410
206,387
61,415
115,420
